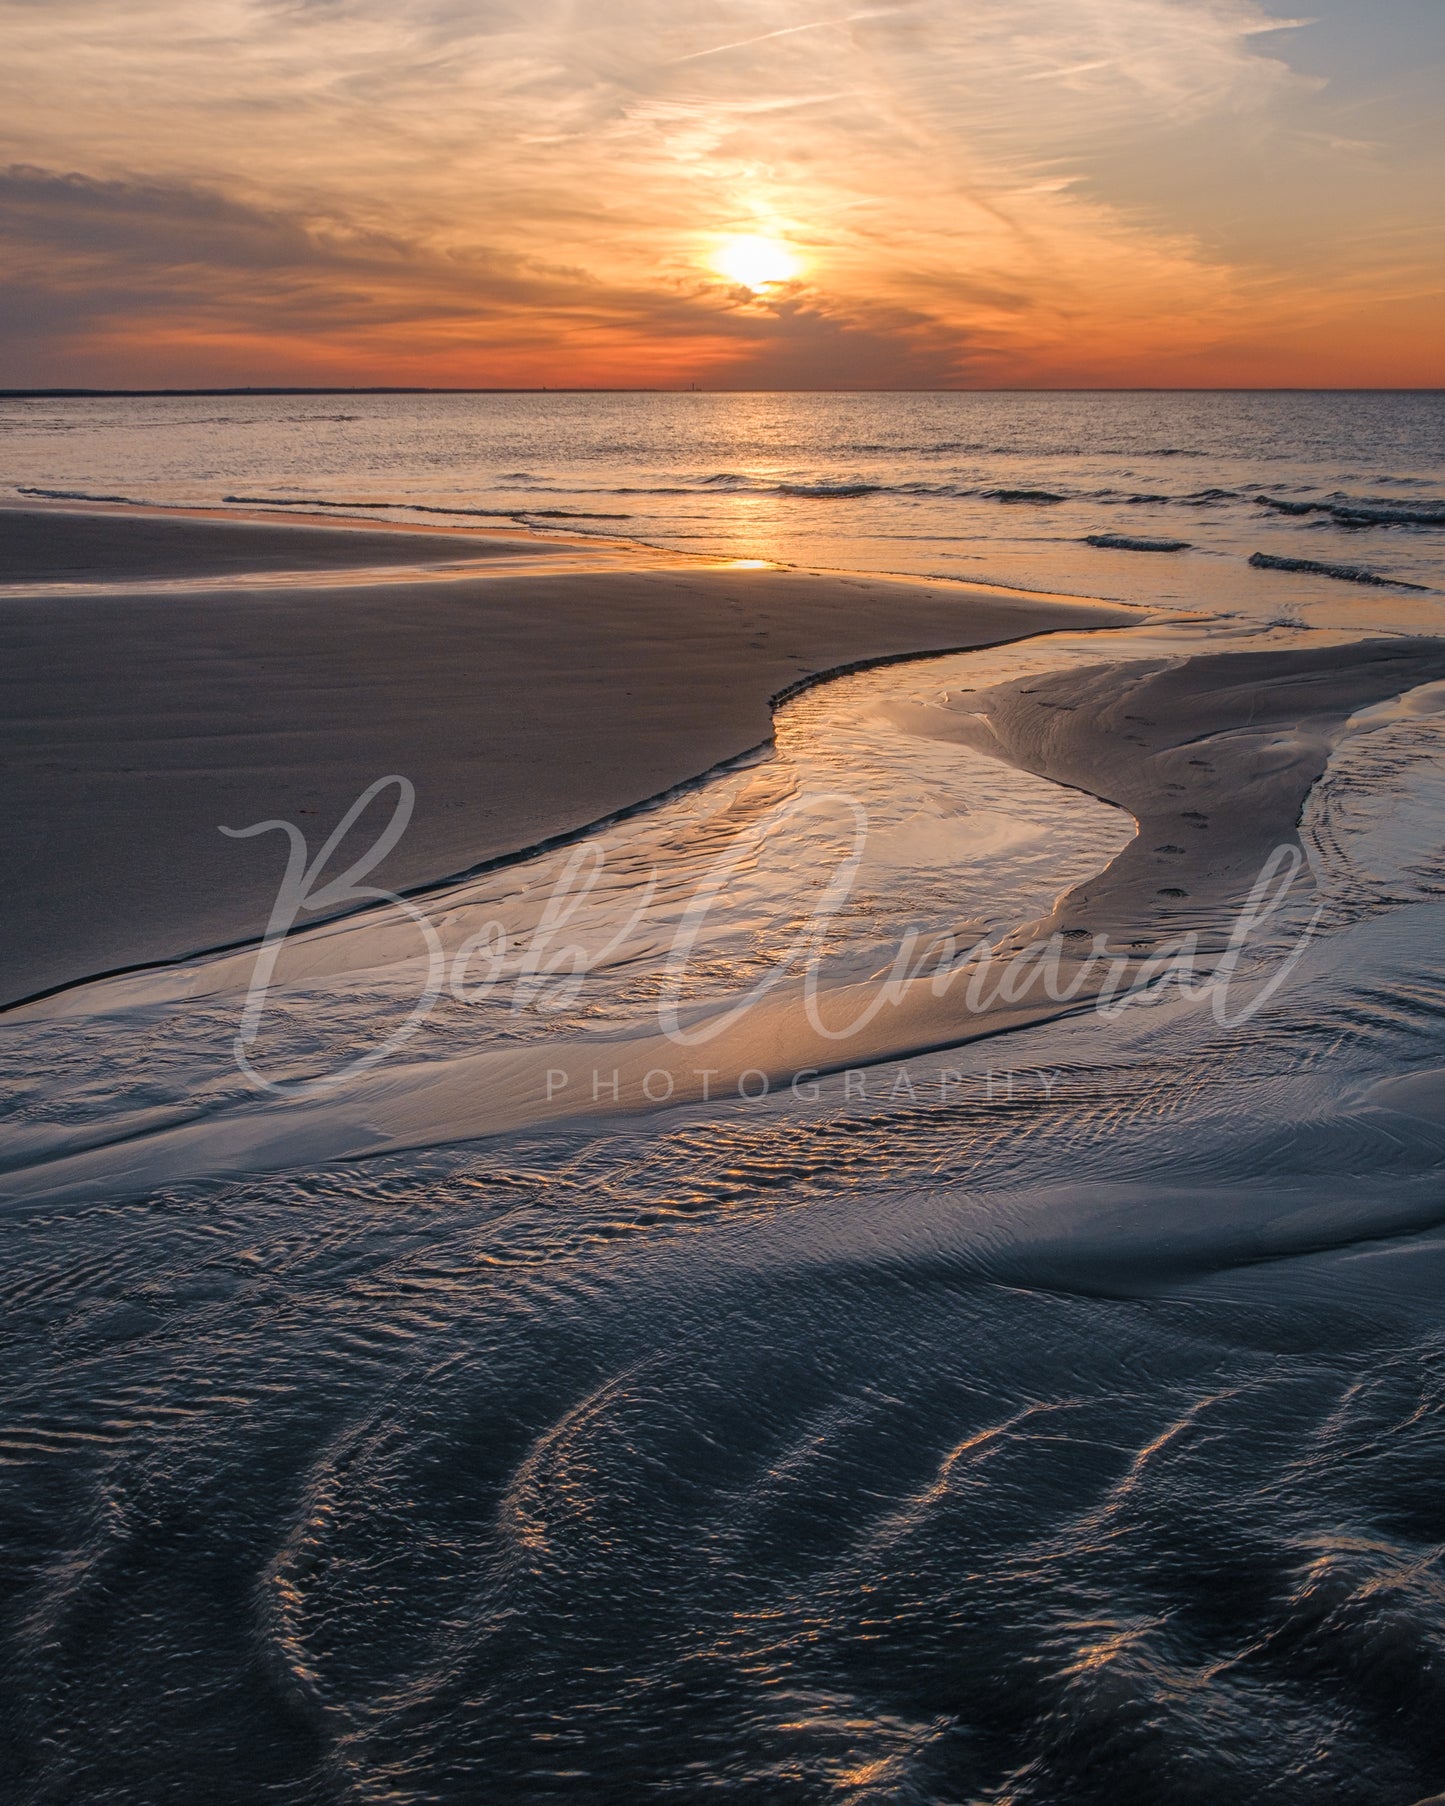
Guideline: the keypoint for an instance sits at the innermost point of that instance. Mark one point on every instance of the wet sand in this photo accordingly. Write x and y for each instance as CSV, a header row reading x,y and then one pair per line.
x,y
1213,756
1219,750
523,705
52,545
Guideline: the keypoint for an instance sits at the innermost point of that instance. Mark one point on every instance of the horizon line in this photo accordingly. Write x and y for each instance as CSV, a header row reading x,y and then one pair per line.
x,y
93,394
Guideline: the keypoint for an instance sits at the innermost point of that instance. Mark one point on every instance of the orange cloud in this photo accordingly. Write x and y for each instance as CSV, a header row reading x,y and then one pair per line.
x,y
1023,192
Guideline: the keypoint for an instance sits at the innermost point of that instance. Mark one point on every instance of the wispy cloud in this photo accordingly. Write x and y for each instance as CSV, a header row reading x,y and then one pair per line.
x,y
482,190
786,31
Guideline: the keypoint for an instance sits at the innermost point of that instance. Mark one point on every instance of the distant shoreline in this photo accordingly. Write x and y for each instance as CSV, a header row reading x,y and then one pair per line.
x,y
564,389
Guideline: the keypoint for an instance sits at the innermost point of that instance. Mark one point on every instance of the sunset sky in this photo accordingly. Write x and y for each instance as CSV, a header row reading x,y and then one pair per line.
x,y
737,193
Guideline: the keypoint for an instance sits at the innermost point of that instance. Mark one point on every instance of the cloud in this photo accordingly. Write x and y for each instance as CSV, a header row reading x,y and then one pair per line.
x,y
144,223
478,190
105,264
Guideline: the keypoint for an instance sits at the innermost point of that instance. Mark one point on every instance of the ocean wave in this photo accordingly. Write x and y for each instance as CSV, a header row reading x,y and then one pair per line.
x,y
82,495
322,501
1364,511
1021,495
166,424
308,501
868,448
318,501
847,491
1127,542
823,488
568,514
1346,573
842,492
982,448
820,489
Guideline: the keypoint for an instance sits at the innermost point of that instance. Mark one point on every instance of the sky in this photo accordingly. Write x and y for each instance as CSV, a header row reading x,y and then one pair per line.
x,y
740,194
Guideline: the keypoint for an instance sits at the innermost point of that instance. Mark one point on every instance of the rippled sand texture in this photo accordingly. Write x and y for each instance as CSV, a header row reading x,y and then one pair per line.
x,y
1051,1417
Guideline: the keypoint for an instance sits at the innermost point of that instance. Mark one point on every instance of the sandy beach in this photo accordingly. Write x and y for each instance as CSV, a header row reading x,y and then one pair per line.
x,y
646,1255
1212,755
522,707
722,893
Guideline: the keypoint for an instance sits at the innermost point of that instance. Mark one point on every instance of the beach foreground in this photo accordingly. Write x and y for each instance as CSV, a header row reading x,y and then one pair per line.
x,y
949,1318
522,703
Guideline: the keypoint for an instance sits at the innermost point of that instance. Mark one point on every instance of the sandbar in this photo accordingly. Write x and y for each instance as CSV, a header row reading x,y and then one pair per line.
x,y
522,703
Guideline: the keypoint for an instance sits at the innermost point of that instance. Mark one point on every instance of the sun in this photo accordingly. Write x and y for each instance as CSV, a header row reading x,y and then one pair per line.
x,y
755,262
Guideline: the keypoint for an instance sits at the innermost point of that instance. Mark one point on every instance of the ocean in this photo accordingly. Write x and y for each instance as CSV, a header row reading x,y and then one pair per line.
x,y
996,488
1055,1418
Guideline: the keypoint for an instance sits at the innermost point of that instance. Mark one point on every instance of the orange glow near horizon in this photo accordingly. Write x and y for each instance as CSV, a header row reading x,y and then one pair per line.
x,y
1020,193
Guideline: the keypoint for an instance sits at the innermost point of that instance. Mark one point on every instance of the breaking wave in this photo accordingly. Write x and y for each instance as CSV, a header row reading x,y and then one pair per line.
x,y
1314,567
1367,511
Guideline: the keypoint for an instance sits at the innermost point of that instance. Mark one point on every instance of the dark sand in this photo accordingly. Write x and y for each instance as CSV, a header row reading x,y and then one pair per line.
x,y
51,545
522,707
